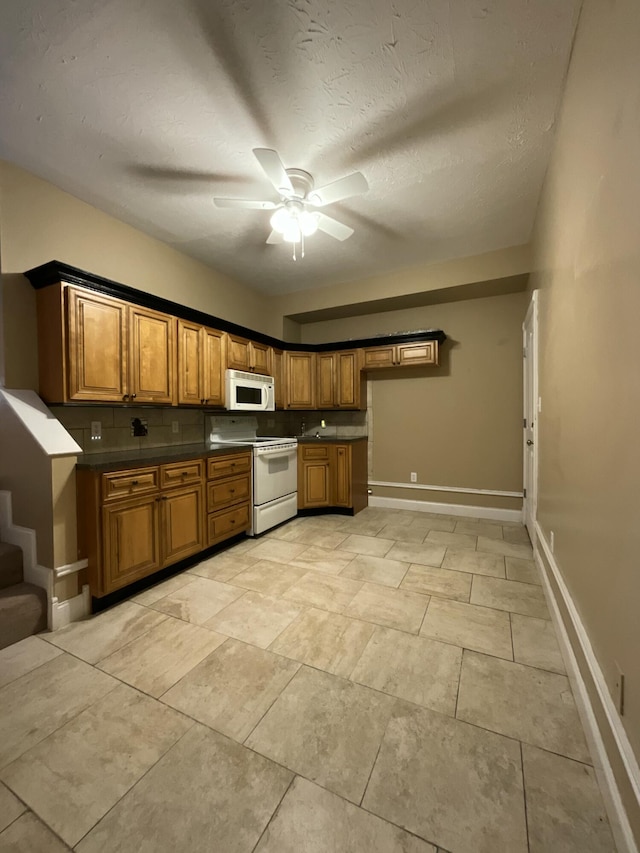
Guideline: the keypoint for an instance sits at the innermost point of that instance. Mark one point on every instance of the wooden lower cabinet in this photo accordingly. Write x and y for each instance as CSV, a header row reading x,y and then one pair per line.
x,y
228,496
131,542
132,523
332,475
181,524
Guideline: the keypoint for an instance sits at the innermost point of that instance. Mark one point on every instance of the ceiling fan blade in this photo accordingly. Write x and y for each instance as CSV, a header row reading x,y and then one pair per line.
x,y
245,202
351,185
332,227
275,237
274,170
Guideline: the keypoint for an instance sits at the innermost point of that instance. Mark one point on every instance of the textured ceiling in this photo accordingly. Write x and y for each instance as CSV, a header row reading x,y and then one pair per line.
x,y
149,108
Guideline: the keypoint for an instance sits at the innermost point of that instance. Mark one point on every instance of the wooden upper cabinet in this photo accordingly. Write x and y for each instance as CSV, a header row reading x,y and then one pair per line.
x,y
325,380
97,348
200,365
422,353
214,367
339,381
152,338
250,356
190,363
401,355
350,383
277,369
300,380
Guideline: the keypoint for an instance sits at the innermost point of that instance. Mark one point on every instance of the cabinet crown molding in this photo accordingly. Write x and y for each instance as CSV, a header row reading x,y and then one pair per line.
x,y
55,272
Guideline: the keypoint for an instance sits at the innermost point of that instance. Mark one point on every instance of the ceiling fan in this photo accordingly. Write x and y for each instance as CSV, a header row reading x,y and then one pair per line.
x,y
295,215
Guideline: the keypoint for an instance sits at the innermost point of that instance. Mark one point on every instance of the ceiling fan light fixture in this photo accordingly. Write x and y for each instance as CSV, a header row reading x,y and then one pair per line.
x,y
308,223
280,220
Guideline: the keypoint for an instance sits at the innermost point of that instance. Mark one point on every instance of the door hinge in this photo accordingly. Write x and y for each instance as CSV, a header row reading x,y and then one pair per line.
x,y
524,352
525,492
524,423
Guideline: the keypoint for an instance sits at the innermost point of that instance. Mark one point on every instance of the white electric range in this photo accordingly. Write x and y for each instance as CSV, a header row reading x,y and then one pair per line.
x,y
275,469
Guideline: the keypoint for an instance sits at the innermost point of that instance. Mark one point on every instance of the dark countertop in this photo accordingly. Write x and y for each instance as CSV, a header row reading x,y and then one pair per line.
x,y
119,459
332,439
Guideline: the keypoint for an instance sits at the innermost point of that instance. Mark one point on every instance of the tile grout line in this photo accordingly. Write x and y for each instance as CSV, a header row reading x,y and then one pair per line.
x,y
524,798
275,811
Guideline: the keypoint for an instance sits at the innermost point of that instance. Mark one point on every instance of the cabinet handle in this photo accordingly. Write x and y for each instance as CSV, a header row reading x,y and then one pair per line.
x,y
163,498
134,482
233,521
133,396
185,473
233,491
125,396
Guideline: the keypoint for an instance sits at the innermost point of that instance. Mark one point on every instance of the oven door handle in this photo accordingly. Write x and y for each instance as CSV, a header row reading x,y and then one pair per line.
x,y
276,454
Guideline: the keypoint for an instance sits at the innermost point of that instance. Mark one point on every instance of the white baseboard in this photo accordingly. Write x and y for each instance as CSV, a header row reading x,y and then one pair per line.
x,y
62,613
491,512
24,538
621,829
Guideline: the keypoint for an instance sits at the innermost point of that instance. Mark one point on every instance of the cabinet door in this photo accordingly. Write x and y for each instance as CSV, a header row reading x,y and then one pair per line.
x,y
238,354
325,387
151,351
316,490
190,363
379,357
277,368
300,380
260,358
182,517
342,475
422,353
97,356
214,367
347,379
131,541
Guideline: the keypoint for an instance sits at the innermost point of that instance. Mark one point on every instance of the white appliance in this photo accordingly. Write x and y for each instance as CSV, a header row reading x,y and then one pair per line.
x,y
275,469
249,392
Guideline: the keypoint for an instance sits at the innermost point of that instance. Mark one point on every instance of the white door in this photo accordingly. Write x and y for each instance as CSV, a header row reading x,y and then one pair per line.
x,y
530,420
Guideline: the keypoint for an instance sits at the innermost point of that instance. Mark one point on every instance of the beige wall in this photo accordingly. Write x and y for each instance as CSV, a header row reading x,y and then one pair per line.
x,y
425,278
40,223
587,255
456,425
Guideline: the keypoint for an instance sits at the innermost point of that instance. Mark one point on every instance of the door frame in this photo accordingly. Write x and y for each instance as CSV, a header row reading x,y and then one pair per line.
x,y
531,405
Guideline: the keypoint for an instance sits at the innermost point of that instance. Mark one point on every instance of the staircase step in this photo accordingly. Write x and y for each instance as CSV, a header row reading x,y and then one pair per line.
x,y
10,565
23,612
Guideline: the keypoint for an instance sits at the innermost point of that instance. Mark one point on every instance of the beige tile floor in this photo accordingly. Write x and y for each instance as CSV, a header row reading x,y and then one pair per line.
x,y
389,683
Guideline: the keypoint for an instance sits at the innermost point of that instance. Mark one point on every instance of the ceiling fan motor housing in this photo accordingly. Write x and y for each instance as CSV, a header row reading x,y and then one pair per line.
x,y
301,181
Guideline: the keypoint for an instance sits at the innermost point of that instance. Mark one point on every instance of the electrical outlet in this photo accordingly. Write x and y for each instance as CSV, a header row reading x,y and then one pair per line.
x,y
414,477
175,427
96,430
552,541
619,690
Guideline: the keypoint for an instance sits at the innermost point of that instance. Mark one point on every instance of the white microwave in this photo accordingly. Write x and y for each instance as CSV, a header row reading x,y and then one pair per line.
x,y
249,392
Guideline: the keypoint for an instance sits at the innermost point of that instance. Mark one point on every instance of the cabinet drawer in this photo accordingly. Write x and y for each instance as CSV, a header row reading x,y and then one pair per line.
x,y
181,473
122,484
314,451
227,492
224,524
226,466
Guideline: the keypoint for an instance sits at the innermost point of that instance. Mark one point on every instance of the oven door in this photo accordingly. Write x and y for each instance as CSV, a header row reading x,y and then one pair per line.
x,y
275,473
